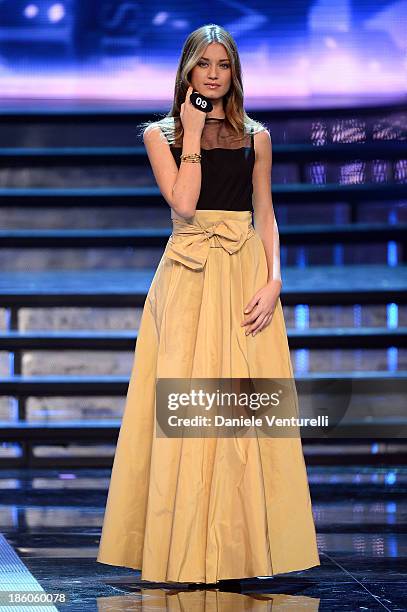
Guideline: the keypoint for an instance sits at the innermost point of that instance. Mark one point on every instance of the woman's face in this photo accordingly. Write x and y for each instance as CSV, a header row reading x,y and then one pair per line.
x,y
213,67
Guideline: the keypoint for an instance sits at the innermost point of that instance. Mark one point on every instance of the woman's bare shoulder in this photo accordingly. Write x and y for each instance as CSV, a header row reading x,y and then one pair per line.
x,y
159,131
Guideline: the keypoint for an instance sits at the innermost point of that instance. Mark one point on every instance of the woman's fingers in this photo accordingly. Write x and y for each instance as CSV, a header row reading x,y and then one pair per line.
x,y
266,321
250,318
261,322
257,323
253,321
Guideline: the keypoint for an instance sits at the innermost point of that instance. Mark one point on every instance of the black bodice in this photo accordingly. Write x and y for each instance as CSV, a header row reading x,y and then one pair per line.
x,y
227,168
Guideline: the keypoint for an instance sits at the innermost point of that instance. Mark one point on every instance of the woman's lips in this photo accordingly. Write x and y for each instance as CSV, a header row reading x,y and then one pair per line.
x,y
211,86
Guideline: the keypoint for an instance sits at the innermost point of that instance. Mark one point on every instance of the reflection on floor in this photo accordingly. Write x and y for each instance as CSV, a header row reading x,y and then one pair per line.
x,y
51,520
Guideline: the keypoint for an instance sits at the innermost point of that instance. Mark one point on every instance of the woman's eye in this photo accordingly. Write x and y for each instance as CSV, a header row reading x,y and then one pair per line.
x,y
206,63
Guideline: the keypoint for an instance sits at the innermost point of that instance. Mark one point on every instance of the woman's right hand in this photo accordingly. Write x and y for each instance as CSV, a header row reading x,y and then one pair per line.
x,y
193,120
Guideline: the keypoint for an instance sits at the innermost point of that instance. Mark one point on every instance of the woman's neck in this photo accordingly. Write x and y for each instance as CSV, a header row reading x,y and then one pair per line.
x,y
217,112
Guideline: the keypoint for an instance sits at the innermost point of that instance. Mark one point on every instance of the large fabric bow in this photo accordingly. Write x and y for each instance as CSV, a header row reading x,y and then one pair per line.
x,y
189,243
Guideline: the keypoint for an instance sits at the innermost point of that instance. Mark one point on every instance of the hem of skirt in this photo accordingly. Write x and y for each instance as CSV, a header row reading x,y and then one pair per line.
x,y
120,564
196,580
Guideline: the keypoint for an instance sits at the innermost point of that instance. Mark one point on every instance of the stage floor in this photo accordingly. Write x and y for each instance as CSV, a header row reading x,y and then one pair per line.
x,y
50,529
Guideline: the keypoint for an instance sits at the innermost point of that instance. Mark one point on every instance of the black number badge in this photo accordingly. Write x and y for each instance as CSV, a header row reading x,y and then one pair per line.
x,y
200,102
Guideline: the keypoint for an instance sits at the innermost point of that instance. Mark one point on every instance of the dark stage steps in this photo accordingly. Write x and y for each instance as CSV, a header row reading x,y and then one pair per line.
x,y
38,156
123,340
88,487
38,197
383,449
339,180
157,237
320,285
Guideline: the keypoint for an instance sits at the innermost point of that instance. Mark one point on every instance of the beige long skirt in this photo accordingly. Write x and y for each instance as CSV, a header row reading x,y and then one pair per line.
x,y
205,509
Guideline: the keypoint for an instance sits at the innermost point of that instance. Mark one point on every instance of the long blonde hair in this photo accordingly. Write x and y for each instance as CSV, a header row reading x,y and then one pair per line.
x,y
235,115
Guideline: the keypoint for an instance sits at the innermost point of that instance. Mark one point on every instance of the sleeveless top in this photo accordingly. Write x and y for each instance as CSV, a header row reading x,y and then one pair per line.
x,y
226,167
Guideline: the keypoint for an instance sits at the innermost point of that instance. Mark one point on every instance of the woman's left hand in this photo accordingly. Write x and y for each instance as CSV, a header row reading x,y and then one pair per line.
x,y
261,307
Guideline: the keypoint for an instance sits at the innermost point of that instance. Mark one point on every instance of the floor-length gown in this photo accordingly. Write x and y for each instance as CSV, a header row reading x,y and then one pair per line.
x,y
204,509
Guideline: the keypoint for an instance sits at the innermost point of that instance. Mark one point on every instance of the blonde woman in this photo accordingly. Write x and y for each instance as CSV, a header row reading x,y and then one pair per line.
x,y
209,509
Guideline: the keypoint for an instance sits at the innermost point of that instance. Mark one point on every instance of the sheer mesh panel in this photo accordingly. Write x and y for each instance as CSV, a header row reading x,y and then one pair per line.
x,y
217,135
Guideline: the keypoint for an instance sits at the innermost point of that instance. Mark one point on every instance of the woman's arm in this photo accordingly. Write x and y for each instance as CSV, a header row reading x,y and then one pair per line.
x,y
180,187
261,307
264,217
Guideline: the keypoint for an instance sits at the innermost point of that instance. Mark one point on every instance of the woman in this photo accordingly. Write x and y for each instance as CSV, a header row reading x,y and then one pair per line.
x,y
201,510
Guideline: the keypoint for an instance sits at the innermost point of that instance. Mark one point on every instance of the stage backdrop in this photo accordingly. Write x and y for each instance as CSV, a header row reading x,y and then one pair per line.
x,y
122,49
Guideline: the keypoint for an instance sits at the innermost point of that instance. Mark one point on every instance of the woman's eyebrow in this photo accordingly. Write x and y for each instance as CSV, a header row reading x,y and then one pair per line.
x,y
222,60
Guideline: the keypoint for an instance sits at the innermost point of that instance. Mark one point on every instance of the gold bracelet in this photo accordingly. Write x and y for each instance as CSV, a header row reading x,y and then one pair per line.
x,y
191,157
